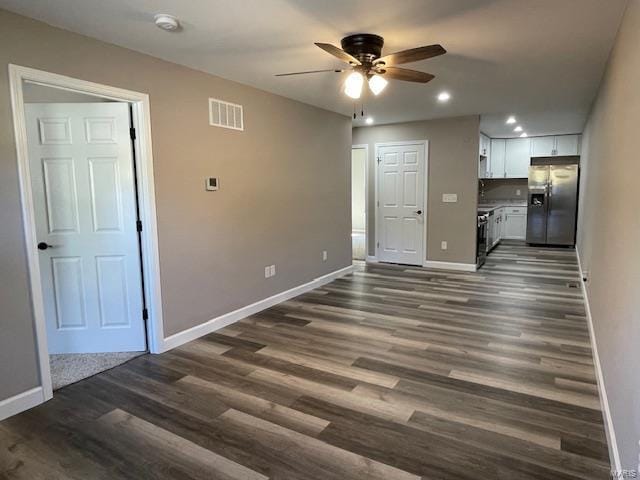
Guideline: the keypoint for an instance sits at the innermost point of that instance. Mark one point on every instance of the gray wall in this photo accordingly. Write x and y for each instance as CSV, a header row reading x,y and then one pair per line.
x,y
609,231
453,168
274,205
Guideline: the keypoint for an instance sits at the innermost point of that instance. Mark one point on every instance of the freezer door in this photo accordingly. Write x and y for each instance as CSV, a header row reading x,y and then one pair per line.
x,y
537,204
563,200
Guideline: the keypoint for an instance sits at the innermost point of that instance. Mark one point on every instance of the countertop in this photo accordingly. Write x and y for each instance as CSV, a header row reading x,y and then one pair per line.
x,y
491,206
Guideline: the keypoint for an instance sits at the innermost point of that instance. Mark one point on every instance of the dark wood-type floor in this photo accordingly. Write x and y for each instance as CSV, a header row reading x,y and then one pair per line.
x,y
390,373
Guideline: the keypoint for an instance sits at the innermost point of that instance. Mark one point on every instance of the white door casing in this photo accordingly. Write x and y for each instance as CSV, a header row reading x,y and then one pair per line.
x,y
84,201
401,217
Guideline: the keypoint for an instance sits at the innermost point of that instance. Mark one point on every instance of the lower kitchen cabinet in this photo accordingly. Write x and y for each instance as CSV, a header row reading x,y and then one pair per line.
x,y
515,223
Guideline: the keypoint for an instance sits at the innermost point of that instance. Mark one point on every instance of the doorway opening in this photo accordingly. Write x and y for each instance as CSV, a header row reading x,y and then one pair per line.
x,y
359,158
83,186
86,182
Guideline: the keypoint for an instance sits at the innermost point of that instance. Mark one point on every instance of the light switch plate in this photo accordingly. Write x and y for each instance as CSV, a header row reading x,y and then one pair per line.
x,y
449,197
272,269
324,256
267,272
443,245
211,184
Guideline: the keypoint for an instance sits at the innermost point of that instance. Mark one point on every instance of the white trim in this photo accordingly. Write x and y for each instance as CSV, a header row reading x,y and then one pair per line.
x,y
614,454
377,146
372,259
217,323
365,147
460,267
21,402
144,164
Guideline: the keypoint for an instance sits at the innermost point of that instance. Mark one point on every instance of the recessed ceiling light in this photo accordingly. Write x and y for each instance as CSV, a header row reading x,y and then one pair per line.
x,y
369,120
524,134
167,22
444,97
517,129
511,120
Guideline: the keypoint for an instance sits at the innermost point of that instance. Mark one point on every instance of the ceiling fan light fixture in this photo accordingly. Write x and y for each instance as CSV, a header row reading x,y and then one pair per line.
x,y
377,84
353,85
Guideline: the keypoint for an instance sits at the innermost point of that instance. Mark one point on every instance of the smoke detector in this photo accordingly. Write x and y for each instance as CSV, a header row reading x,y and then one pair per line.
x,y
167,22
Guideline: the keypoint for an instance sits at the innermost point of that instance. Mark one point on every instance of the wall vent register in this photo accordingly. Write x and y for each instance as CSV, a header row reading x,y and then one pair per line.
x,y
225,114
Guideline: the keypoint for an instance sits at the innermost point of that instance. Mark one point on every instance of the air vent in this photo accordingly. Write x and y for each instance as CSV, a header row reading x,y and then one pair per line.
x,y
225,114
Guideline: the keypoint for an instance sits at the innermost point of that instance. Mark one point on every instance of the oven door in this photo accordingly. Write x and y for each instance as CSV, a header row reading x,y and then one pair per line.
x,y
481,240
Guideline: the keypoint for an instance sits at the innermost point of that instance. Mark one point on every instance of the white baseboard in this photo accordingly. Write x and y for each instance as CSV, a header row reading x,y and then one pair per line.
x,y
372,259
21,402
614,454
217,323
461,267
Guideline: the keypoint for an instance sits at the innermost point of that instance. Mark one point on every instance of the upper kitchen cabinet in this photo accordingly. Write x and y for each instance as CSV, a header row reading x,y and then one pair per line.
x,y
485,145
568,145
558,145
543,146
517,157
496,160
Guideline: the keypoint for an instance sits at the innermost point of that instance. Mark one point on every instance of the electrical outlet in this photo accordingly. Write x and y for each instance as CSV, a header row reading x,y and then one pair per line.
x,y
267,272
272,270
324,256
518,192
449,197
443,245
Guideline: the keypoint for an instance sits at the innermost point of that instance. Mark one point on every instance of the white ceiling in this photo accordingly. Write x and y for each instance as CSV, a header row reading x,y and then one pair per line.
x,y
540,60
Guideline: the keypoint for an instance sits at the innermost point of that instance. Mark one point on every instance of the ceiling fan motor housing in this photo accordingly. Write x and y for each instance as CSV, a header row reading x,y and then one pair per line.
x,y
366,47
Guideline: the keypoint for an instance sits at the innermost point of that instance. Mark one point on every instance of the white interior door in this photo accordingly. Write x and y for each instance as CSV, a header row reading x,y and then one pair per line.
x,y
83,186
401,208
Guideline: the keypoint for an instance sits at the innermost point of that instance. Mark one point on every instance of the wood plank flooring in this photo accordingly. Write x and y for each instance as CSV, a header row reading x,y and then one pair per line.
x,y
390,373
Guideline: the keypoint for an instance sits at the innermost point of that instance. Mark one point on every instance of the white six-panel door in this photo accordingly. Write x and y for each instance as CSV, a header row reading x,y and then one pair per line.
x,y
401,207
83,186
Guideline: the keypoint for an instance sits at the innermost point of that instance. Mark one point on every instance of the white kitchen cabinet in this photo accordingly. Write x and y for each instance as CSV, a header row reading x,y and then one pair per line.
x,y
567,144
543,146
485,145
515,223
555,145
496,160
517,157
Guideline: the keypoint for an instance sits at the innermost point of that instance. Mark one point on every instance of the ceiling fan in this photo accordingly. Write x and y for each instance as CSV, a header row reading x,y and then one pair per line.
x,y
363,54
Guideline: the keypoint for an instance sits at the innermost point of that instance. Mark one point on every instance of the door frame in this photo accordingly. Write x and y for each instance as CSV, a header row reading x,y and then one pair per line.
x,y
139,103
424,143
365,147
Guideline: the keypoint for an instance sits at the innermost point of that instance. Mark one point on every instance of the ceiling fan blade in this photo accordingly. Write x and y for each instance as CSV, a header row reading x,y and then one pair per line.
x,y
310,71
406,74
412,55
339,53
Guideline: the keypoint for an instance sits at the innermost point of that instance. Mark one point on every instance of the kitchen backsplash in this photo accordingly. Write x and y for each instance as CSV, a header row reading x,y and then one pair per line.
x,y
503,189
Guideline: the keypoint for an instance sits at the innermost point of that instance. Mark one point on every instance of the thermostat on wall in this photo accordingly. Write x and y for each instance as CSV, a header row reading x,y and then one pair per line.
x,y
212,184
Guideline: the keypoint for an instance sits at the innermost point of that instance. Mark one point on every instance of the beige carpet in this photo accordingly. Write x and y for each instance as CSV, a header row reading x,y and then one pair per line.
x,y
71,368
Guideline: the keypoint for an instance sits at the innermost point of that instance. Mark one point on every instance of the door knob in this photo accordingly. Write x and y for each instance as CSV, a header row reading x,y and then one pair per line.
x,y
44,246
419,212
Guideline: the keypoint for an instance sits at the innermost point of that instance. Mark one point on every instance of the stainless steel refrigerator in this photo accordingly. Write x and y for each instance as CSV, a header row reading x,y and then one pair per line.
x,y
552,204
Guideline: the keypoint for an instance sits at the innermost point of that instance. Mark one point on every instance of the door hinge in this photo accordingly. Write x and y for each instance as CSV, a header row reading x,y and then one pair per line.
x,y
378,244
132,133
145,314
379,160
139,225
